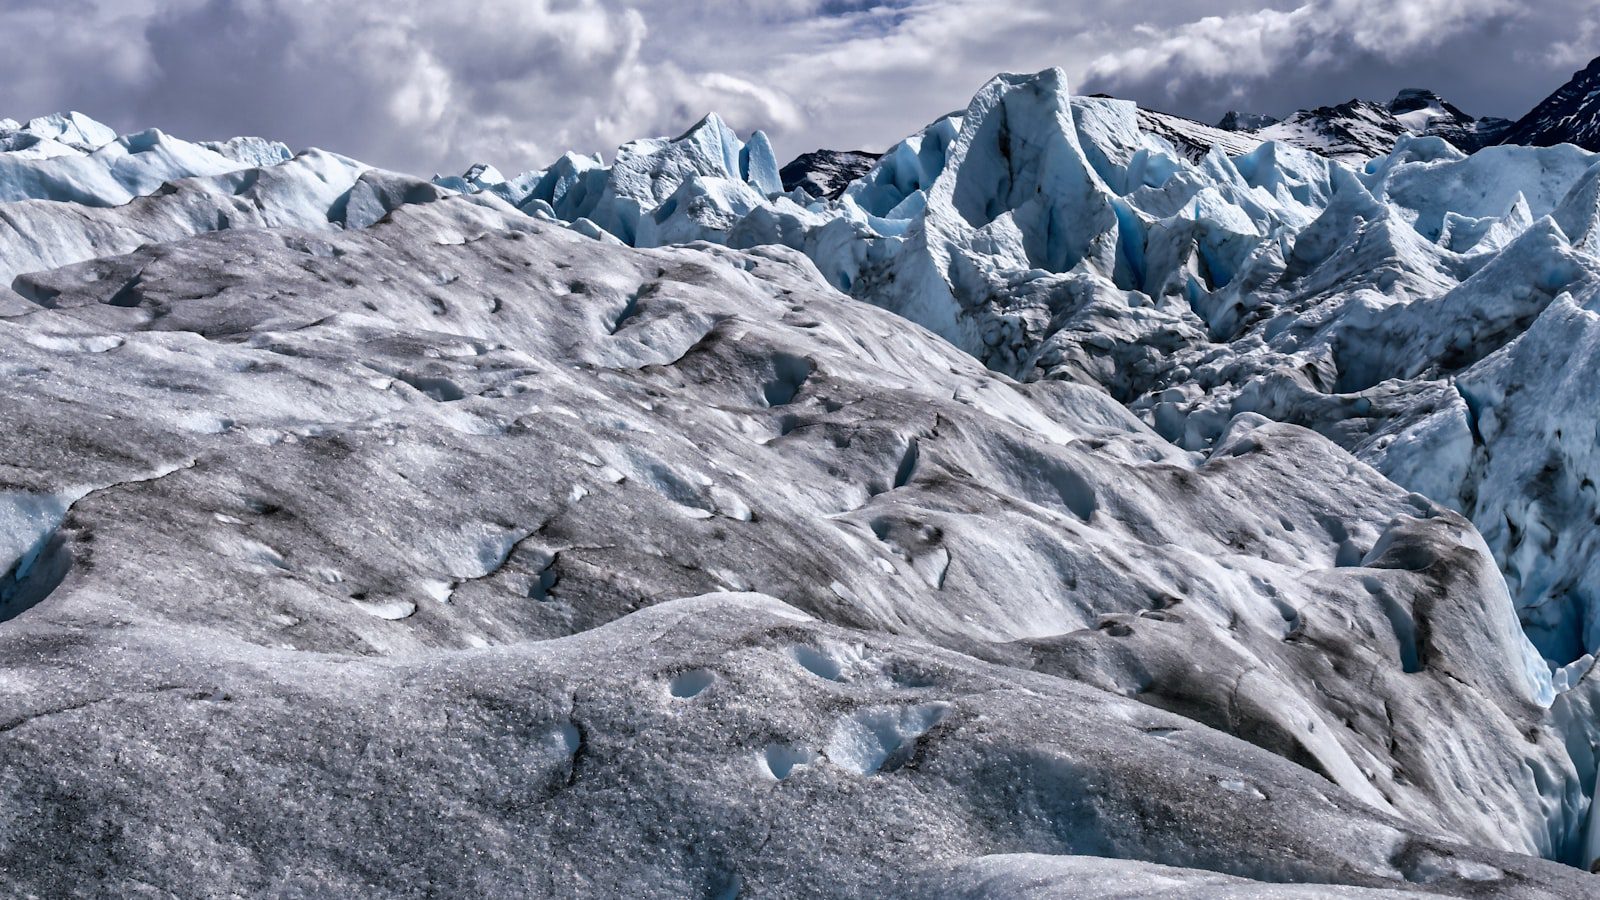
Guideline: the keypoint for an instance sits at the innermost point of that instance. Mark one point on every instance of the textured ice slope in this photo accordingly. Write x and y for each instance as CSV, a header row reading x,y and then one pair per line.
x,y
1421,310
394,526
1070,238
391,540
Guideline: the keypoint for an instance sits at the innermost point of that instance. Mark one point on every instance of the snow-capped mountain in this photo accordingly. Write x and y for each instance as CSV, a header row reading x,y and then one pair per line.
x,y
1194,140
1425,112
1359,130
1353,132
825,174
1569,116
1084,500
1235,120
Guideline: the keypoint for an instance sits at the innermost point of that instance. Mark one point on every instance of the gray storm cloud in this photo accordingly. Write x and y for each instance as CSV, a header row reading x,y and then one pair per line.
x,y
424,86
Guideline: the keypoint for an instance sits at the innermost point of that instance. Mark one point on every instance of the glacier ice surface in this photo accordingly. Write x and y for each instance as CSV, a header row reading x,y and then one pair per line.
x,y
1206,520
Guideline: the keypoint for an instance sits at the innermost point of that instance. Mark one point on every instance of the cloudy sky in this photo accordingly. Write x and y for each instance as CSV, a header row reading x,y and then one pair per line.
x,y
432,85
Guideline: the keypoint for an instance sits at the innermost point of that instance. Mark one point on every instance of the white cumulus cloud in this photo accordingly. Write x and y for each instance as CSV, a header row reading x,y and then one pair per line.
x,y
425,85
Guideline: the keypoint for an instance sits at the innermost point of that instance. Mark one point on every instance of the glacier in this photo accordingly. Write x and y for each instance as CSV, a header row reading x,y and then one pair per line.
x,y
1059,509
1056,237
